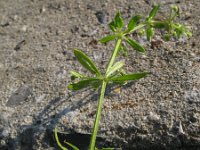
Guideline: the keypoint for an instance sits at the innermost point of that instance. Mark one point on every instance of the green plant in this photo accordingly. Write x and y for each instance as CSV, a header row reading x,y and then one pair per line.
x,y
114,72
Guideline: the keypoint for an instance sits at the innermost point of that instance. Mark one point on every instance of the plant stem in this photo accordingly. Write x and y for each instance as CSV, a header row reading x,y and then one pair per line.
x,y
114,54
98,116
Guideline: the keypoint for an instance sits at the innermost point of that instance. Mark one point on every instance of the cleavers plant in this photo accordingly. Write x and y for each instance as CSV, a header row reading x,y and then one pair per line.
x,y
114,72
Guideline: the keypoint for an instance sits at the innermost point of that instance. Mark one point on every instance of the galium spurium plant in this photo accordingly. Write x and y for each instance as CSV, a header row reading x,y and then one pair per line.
x,y
114,72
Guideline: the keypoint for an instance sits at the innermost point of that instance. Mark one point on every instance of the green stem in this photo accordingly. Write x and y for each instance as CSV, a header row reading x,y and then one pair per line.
x,y
98,116
114,54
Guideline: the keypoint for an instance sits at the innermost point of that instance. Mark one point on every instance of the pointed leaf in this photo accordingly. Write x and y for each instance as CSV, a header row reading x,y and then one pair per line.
x,y
71,145
83,84
107,38
57,140
176,10
154,11
159,24
76,74
132,23
149,33
86,62
119,21
112,26
129,77
115,67
135,45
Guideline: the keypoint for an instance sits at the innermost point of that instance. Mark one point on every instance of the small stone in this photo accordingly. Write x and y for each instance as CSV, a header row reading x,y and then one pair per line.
x,y
101,15
153,117
192,96
19,45
181,129
19,96
3,143
5,132
40,98
43,9
24,28
28,120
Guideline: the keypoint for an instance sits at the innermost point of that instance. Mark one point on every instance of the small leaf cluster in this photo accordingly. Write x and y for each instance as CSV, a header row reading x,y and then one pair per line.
x,y
120,32
113,75
171,28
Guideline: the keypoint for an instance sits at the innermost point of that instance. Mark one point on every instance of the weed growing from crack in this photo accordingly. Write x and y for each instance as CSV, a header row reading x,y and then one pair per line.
x,y
114,72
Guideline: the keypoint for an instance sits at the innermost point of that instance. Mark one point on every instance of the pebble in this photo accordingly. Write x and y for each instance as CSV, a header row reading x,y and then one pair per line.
x,y
153,117
24,28
19,96
192,96
181,128
19,45
101,16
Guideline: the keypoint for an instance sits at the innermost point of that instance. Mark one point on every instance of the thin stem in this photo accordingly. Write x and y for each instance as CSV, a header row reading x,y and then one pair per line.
x,y
98,116
114,54
137,27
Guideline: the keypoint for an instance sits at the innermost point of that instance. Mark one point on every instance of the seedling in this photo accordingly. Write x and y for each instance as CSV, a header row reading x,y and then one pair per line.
x,y
114,72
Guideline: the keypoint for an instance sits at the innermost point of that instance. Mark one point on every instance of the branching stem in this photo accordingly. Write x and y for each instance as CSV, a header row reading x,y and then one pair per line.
x,y
114,54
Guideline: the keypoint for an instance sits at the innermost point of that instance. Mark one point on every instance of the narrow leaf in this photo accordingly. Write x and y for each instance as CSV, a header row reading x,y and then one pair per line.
x,y
86,62
149,33
159,24
132,23
112,26
107,38
57,140
115,67
119,21
135,45
76,74
154,11
107,148
129,77
176,10
71,145
83,84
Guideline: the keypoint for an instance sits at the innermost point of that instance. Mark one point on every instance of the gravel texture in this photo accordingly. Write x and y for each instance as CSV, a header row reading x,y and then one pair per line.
x,y
37,39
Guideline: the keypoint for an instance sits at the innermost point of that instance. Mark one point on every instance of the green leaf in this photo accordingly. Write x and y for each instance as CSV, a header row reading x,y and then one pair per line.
x,y
154,11
135,45
83,84
107,38
107,148
132,23
71,145
149,33
112,26
115,67
180,29
167,37
77,75
176,10
86,62
57,140
159,24
119,21
129,77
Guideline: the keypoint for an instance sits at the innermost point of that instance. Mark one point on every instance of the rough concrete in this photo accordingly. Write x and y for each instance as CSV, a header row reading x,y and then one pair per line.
x,y
36,42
